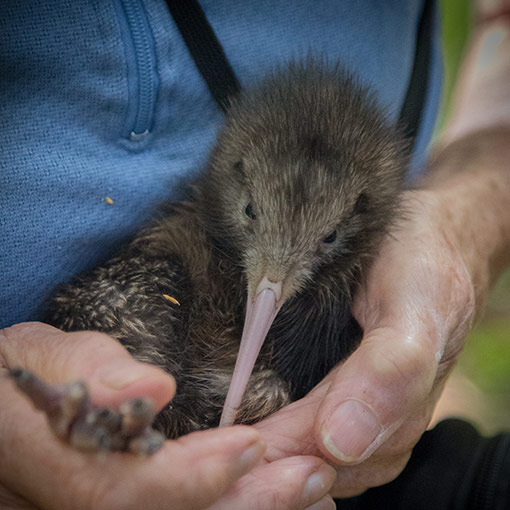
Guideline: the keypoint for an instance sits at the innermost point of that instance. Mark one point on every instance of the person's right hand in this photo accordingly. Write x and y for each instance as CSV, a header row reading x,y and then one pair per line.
x,y
38,471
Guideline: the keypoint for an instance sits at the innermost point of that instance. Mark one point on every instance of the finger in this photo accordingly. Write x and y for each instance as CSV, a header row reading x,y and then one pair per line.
x,y
111,372
198,469
373,392
292,483
290,431
189,473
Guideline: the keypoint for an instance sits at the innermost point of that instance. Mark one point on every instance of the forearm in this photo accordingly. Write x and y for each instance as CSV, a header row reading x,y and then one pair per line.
x,y
471,179
470,172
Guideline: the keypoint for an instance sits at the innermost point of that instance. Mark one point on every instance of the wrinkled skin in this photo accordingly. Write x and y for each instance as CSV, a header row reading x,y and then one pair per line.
x,y
415,308
426,288
190,473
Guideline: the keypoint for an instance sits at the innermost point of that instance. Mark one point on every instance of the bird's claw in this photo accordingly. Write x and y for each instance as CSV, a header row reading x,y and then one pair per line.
x,y
74,419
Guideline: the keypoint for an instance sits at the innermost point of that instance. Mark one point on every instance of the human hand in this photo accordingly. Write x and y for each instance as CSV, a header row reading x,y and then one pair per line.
x,y
416,306
194,472
423,291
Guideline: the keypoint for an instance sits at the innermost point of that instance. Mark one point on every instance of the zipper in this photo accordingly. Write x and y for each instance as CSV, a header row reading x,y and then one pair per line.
x,y
141,65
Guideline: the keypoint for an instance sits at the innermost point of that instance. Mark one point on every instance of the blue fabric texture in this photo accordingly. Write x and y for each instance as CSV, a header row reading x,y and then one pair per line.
x,y
100,98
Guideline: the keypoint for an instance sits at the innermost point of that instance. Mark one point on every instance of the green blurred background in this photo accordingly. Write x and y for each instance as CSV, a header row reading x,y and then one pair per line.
x,y
480,385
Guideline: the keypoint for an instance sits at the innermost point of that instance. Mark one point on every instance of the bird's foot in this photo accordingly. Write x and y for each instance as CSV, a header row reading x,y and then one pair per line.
x,y
74,419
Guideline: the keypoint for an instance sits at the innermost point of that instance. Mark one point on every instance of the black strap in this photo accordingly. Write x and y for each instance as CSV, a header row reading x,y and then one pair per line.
x,y
414,102
217,72
205,50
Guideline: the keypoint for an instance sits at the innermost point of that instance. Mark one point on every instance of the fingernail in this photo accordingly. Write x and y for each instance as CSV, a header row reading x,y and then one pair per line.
x,y
319,483
251,456
350,430
326,503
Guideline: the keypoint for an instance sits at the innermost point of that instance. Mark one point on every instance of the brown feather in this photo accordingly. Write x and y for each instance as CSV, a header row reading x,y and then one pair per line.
x,y
310,152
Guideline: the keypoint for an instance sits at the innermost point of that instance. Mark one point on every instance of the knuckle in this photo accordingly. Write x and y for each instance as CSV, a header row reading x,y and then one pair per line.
x,y
25,331
22,329
409,362
14,343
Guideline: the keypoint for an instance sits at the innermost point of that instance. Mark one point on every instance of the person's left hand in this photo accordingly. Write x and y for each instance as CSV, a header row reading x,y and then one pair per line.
x,y
415,308
217,467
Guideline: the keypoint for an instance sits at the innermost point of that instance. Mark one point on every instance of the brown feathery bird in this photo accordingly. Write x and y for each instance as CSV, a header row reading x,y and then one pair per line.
x,y
304,181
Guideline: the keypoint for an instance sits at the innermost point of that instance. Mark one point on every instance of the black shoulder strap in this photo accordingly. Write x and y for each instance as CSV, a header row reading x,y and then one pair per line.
x,y
205,50
217,72
414,102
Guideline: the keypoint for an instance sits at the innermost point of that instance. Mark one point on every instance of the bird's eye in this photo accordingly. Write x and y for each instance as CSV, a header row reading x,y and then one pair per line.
x,y
249,212
331,238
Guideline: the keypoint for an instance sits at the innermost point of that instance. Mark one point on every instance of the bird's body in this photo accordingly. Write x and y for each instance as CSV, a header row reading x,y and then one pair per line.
x,y
304,181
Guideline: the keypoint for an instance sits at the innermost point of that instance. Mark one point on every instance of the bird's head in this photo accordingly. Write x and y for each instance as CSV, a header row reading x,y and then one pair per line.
x,y
305,177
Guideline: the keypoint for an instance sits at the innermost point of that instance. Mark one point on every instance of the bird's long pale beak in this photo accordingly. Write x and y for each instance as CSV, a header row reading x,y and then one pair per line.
x,y
260,314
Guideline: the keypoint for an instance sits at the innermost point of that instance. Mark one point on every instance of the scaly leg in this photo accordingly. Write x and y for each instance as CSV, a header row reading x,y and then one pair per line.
x,y
74,419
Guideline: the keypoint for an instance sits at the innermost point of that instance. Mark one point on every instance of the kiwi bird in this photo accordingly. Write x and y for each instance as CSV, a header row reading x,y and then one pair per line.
x,y
305,179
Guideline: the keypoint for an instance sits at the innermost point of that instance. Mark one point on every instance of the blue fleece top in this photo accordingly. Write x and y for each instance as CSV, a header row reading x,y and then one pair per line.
x,y
100,98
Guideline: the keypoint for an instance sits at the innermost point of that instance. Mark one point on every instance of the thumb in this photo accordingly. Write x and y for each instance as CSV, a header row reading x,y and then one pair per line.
x,y
112,374
373,392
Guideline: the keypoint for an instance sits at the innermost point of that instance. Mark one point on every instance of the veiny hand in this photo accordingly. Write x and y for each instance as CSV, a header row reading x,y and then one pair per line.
x,y
38,471
423,291
415,308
